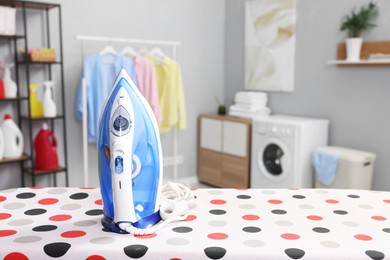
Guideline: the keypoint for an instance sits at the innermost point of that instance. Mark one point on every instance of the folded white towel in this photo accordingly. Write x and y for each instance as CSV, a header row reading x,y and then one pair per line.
x,y
251,94
264,112
248,109
250,100
258,105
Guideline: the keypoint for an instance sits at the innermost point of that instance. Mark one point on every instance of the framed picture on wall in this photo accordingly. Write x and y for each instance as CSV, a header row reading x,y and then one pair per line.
x,y
270,45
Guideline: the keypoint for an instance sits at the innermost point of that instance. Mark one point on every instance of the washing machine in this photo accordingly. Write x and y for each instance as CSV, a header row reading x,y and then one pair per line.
x,y
281,149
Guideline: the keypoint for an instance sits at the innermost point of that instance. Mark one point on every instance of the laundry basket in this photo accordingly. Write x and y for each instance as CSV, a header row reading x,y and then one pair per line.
x,y
354,168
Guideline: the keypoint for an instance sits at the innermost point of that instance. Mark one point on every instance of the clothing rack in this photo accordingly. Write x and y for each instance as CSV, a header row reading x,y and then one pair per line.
x,y
83,39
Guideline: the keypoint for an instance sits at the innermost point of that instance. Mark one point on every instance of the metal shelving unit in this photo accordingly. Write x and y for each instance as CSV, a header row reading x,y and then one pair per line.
x,y
23,64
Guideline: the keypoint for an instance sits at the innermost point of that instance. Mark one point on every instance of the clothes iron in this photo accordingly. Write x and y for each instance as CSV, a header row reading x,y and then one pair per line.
x,y
130,159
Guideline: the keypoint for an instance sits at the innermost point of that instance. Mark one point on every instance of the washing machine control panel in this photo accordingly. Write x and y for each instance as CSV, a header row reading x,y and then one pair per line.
x,y
275,129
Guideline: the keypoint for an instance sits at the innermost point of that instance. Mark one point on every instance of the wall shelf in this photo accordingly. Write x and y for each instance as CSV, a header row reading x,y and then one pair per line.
x,y
360,63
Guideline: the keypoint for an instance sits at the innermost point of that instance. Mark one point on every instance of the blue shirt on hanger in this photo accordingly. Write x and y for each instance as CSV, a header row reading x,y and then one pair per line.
x,y
100,71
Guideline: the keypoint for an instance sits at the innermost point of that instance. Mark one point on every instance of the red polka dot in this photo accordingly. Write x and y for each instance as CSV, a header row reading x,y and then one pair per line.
x,y
378,218
250,217
87,188
217,236
194,188
241,188
332,201
7,232
4,215
99,202
275,201
73,234
290,236
95,257
293,188
386,201
217,202
175,258
15,256
60,217
314,217
36,187
48,201
2,198
190,218
146,236
363,237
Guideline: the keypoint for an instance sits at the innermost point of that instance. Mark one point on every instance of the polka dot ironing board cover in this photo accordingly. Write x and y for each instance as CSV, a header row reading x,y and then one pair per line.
x,y
46,223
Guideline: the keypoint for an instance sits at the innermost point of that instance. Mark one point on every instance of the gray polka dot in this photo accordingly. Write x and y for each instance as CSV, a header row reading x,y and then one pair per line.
x,y
322,191
57,191
306,206
269,192
243,197
20,222
14,205
217,223
247,206
321,230
215,192
251,229
330,244
182,229
85,223
254,243
365,206
70,206
284,223
27,239
178,241
102,240
350,224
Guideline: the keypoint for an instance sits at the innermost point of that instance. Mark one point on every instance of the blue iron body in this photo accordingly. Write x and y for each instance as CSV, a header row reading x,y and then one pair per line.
x,y
130,158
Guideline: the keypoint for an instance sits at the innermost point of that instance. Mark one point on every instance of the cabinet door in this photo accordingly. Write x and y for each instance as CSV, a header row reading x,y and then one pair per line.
x,y
211,134
234,139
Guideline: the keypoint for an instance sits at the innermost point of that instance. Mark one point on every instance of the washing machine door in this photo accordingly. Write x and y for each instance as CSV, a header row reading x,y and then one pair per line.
x,y
274,159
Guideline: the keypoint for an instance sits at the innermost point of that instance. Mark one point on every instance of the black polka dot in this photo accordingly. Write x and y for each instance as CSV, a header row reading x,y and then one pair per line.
x,y
299,197
340,212
44,228
182,229
56,249
321,230
94,212
79,196
387,230
294,253
34,212
215,252
279,211
353,196
217,212
243,197
135,251
376,255
251,229
26,195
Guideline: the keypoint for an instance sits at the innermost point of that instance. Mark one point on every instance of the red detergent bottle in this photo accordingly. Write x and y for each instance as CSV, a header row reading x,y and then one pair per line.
x,y
2,92
45,145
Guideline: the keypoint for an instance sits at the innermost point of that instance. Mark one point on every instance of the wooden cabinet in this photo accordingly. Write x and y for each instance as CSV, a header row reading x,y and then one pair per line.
x,y
224,150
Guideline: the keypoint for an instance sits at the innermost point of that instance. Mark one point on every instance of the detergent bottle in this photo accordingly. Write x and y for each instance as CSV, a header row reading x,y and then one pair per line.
x,y
45,146
49,106
10,88
1,145
36,109
13,138
2,94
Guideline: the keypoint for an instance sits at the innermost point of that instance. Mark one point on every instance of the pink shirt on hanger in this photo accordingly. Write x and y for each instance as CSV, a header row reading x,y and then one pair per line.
x,y
146,83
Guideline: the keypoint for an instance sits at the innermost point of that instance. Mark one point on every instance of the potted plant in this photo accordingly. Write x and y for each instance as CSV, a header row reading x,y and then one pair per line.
x,y
356,23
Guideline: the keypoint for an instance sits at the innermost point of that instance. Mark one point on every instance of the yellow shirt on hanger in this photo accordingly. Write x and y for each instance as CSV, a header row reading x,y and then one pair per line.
x,y
171,94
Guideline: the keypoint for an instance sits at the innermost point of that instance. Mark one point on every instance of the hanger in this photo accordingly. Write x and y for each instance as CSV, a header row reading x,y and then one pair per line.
x,y
108,50
157,54
129,51
143,51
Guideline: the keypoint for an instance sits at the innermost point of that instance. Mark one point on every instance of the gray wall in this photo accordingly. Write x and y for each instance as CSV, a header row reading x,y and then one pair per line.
x,y
356,100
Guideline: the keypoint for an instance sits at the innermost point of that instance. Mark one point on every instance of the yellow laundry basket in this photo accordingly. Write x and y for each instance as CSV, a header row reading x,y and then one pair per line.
x,y
354,170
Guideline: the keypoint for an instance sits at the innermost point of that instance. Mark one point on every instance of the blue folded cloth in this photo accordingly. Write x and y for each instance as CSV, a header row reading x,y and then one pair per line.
x,y
325,166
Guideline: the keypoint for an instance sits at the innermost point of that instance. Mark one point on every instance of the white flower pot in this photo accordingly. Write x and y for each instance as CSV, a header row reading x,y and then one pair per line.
x,y
354,46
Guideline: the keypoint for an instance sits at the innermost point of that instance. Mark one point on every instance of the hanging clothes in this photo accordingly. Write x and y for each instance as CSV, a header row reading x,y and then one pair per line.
x,y
171,94
100,71
146,83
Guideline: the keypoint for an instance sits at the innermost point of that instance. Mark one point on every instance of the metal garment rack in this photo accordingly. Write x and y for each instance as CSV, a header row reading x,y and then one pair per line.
x,y
83,39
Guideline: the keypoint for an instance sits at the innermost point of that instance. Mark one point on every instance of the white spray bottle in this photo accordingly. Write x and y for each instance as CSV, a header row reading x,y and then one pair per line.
x,y
13,138
49,106
10,87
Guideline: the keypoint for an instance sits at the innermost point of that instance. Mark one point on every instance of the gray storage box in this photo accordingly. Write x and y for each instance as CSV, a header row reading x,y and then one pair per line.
x,y
354,171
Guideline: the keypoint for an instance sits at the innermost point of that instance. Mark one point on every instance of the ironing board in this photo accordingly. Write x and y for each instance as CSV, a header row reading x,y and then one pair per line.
x,y
46,223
